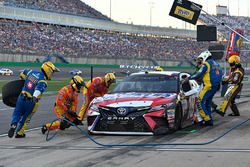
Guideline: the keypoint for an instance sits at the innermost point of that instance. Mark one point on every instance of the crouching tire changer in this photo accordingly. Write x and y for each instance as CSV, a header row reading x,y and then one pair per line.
x,y
66,105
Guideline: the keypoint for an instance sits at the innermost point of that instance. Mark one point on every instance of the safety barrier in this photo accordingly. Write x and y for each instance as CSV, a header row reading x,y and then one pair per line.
x,y
32,64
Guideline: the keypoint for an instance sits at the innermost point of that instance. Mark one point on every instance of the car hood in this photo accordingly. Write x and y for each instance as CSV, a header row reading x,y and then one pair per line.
x,y
133,99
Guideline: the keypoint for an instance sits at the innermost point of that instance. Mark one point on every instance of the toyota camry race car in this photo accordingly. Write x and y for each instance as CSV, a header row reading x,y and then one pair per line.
x,y
144,103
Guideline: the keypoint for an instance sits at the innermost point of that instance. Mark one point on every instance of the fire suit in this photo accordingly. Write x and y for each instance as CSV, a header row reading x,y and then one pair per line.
x,y
234,87
199,81
26,107
211,75
96,88
66,100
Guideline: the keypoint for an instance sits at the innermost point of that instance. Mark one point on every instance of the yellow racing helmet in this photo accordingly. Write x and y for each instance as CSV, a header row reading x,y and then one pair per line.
x,y
48,69
77,82
233,60
158,69
109,79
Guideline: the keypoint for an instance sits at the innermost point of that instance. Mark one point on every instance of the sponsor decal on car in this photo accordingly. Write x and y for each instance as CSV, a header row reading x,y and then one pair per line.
x,y
120,118
122,111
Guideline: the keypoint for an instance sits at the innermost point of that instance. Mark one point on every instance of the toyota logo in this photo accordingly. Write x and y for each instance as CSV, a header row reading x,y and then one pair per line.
x,y
122,111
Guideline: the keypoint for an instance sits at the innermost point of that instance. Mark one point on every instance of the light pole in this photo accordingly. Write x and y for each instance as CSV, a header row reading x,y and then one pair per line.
x,y
207,5
238,7
110,8
151,6
248,8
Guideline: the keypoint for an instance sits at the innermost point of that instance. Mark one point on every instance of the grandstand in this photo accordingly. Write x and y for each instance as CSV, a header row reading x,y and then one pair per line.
x,y
74,7
47,29
235,22
36,38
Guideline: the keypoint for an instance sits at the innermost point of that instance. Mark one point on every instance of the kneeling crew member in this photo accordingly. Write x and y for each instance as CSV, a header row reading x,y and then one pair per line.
x,y
66,105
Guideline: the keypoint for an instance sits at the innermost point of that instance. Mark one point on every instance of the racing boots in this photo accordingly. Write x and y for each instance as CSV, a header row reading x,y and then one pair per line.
x,y
205,123
220,112
235,110
44,129
20,136
12,130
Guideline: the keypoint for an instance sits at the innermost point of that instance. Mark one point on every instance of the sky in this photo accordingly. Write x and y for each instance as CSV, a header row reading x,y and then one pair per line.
x,y
139,11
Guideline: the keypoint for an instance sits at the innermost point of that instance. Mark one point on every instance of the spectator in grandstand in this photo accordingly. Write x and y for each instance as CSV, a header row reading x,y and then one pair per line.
x,y
211,74
96,88
66,105
27,103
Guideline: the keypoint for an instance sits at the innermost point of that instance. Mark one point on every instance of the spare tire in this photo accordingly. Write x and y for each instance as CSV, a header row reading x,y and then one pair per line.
x,y
11,91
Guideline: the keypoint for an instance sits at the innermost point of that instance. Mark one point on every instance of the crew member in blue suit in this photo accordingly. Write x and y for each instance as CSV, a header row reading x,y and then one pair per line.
x,y
211,75
27,102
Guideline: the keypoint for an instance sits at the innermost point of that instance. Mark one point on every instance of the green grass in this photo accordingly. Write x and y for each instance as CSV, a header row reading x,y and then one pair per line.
x,y
1,85
53,85
56,85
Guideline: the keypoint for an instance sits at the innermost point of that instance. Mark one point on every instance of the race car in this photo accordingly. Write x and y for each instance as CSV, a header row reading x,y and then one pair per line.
x,y
6,71
76,72
144,103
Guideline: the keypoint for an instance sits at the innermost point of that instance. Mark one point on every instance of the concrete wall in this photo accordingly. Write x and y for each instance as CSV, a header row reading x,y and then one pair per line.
x,y
85,60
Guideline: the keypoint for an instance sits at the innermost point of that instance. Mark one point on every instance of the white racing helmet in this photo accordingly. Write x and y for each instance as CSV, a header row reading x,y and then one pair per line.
x,y
204,55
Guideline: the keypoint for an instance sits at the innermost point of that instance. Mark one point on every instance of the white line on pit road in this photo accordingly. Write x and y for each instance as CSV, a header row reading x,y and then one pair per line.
x,y
28,130
2,109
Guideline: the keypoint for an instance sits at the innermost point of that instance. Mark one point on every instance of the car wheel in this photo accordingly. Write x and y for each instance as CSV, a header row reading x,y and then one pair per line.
x,y
11,91
178,117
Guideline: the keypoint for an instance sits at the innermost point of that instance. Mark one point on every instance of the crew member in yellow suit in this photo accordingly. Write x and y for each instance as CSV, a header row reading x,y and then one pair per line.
x,y
234,81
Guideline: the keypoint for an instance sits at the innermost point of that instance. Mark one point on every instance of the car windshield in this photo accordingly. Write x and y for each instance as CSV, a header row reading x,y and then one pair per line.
x,y
156,83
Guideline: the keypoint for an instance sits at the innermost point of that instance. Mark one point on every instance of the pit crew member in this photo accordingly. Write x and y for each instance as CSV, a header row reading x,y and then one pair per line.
x,y
234,81
211,74
66,105
34,86
97,88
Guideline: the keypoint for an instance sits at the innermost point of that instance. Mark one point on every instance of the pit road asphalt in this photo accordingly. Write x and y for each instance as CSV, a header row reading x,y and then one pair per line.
x,y
71,148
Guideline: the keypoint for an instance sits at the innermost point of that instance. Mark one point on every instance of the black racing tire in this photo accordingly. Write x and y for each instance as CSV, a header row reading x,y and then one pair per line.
x,y
11,91
178,117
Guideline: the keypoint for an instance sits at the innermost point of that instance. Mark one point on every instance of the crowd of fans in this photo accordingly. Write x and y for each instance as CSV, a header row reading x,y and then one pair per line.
x,y
235,22
75,7
35,38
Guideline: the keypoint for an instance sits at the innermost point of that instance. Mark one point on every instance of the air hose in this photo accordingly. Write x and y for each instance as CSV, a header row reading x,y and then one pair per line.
x,y
85,133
